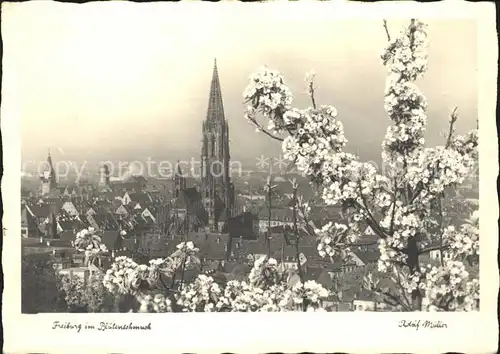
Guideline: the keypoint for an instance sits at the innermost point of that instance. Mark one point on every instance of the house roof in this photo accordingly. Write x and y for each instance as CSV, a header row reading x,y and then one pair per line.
x,y
191,194
111,239
142,198
27,220
47,243
67,236
67,225
213,250
283,214
116,202
137,179
189,274
365,295
119,187
319,275
241,226
41,210
368,256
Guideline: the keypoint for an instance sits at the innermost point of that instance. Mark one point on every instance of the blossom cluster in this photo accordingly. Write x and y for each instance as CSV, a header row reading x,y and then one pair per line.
x,y
413,281
74,290
200,296
265,290
88,295
154,302
240,296
161,266
125,276
406,58
405,224
346,180
316,136
464,241
449,288
389,255
434,169
186,252
406,54
309,79
311,292
466,144
265,272
267,93
244,297
331,238
88,241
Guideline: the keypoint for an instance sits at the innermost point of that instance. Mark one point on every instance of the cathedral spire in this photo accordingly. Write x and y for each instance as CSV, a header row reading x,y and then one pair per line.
x,y
49,160
215,107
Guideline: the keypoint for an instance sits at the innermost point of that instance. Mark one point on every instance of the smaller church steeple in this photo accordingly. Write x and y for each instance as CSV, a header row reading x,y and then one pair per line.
x,y
104,177
179,180
49,178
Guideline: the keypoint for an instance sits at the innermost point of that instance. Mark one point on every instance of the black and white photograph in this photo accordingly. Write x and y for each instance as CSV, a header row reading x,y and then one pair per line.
x,y
244,163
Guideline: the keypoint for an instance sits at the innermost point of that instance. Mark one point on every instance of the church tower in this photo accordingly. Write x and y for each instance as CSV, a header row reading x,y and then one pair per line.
x,y
48,179
216,187
104,178
179,181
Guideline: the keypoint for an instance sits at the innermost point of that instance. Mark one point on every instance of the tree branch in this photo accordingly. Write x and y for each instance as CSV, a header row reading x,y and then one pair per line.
x,y
269,197
261,128
453,119
270,135
372,221
432,248
403,291
392,297
387,31
183,271
440,210
360,244
297,250
391,228
311,93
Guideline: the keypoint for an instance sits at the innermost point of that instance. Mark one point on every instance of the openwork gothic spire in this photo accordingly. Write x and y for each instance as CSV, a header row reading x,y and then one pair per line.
x,y
216,182
215,107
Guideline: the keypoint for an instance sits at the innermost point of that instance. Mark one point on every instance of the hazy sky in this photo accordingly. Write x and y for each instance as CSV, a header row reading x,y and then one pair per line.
x,y
115,81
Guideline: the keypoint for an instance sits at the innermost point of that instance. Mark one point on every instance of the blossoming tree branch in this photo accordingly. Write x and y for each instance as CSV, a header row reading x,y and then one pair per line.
x,y
403,206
